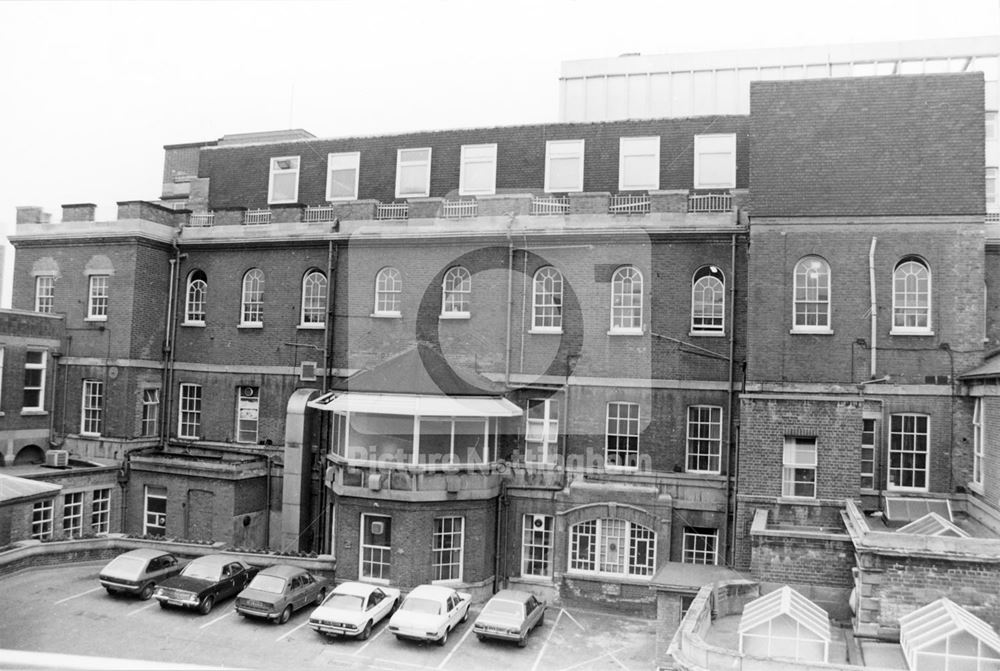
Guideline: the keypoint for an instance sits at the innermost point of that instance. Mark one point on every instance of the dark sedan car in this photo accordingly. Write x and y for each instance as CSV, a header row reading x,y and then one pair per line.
x,y
277,591
205,581
138,572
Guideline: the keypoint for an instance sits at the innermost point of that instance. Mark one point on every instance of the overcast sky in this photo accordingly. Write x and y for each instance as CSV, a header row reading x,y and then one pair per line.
x,y
93,90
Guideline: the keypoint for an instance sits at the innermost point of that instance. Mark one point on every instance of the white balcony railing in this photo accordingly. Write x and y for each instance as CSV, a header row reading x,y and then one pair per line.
x,y
629,205
202,219
456,209
993,217
392,211
320,213
550,205
711,202
254,217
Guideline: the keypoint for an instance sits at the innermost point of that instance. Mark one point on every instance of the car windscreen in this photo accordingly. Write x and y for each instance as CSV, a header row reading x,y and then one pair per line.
x,y
268,583
509,608
125,567
202,571
417,605
344,602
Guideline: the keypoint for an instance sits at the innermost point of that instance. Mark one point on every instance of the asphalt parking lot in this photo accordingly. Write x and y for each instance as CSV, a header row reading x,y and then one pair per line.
x,y
64,610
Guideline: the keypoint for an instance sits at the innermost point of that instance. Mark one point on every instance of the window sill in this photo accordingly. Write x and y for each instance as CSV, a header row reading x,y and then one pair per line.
x,y
33,412
796,331
84,434
194,324
799,500
625,332
897,332
977,488
249,326
545,331
707,334
908,490
606,577
694,472
342,199
614,468
386,315
95,319
312,326
455,315
533,579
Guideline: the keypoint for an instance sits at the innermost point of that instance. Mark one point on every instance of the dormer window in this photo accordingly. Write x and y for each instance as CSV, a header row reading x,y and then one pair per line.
x,y
715,161
413,173
284,183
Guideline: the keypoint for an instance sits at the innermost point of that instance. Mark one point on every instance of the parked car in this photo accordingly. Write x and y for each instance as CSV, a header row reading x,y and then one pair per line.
x,y
353,608
510,615
429,613
279,590
138,572
205,581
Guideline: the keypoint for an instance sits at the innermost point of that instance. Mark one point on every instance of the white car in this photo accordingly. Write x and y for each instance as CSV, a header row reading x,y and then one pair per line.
x,y
353,608
429,613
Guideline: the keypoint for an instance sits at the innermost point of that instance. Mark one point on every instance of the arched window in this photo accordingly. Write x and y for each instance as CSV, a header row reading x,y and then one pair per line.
x,y
313,299
612,547
626,300
388,289
708,301
455,291
812,295
546,306
911,296
197,292
252,311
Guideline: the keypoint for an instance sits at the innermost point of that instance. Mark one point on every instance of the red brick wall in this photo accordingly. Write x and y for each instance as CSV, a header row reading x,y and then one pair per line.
x,y
803,561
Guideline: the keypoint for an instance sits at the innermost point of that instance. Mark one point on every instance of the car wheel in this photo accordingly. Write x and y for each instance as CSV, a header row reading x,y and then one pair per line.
x,y
110,591
465,616
541,619
444,638
523,641
285,616
320,597
395,606
205,607
480,637
366,632
164,605
147,591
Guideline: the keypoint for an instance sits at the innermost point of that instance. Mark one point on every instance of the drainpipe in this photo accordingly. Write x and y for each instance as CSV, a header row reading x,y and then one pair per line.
x,y
170,335
874,307
327,326
730,402
510,297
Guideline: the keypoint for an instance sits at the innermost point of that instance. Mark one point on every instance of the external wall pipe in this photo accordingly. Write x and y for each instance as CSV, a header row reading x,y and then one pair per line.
x,y
727,525
874,307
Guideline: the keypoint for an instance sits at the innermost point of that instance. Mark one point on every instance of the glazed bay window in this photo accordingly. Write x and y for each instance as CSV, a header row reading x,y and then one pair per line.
x,y
283,185
453,441
150,412
189,412
73,515
978,449
41,520
45,286
536,546
431,441
541,435
612,547
622,437
413,173
704,439
34,380
909,436
155,511
638,163
798,472
626,302
376,547
97,298
100,511
478,175
313,300
701,546
447,548
342,176
715,161
247,414
92,408
564,166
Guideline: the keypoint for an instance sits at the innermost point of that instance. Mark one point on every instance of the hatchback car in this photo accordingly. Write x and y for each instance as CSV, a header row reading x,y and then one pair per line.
x,y
138,572
205,581
353,608
510,615
430,613
277,591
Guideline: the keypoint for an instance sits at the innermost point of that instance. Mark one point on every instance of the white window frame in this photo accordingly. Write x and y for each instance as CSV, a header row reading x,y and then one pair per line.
x,y
381,555
811,280
444,549
45,291
157,525
547,300
456,293
312,314
712,145
277,171
195,298
563,150
150,418
619,427
189,407
542,432
42,367
41,519
978,444
701,546
700,447
869,451
992,197
100,511
388,292
476,155
606,536
339,162
990,126
72,522
894,449
639,148
97,297
796,462
536,546
903,306
92,408
247,414
626,306
708,316
2,353
252,299
409,163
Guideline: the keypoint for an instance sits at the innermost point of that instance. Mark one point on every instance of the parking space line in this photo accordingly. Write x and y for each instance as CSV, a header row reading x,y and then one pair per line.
x,y
289,633
139,610
468,631
620,663
541,652
221,617
610,653
76,595
385,627
563,610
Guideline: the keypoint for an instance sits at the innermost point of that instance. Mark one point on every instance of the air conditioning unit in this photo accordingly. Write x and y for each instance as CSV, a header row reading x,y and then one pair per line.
x,y
248,392
57,458
453,484
307,371
374,481
537,522
378,528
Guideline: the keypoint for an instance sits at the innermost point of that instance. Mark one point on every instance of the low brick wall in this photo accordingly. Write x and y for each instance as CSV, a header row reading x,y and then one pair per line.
x,y
800,556
632,599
